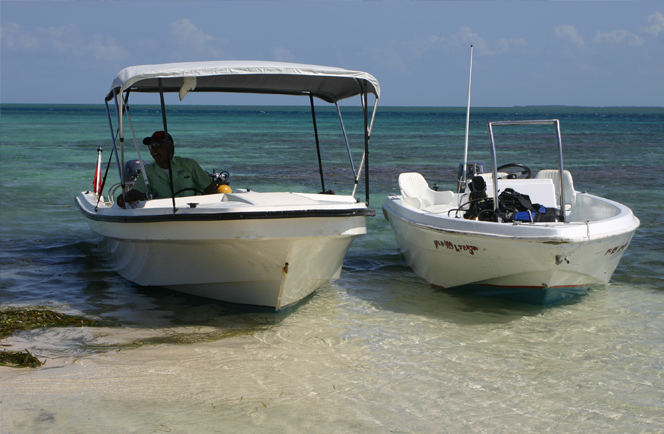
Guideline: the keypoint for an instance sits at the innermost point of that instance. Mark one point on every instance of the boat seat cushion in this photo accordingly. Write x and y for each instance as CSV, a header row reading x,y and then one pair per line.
x,y
416,192
568,183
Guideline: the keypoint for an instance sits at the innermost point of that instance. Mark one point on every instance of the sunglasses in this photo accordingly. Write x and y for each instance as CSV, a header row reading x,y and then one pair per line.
x,y
158,144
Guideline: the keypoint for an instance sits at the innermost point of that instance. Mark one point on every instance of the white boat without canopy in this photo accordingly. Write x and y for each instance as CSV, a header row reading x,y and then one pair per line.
x,y
267,249
527,257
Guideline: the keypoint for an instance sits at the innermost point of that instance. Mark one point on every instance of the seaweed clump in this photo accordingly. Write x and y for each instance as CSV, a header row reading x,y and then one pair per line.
x,y
19,359
12,320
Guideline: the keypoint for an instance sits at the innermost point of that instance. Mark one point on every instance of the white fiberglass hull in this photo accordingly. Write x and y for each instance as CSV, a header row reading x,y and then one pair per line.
x,y
517,259
248,251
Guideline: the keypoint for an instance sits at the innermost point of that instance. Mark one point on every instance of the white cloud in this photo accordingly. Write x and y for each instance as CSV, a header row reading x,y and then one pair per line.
x,y
618,37
282,54
61,39
503,45
390,57
65,41
193,41
465,37
570,34
656,26
106,48
13,37
415,48
399,55
188,34
436,40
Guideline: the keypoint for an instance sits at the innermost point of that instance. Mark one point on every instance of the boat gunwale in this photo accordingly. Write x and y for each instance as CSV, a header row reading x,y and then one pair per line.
x,y
227,216
548,239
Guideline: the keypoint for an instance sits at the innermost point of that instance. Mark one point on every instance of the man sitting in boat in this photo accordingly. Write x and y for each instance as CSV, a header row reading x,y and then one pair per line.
x,y
187,173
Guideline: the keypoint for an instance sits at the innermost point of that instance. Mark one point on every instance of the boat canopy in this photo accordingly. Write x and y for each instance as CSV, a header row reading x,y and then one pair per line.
x,y
327,83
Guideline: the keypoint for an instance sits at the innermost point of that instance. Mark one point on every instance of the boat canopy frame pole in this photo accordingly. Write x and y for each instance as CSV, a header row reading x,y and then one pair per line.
x,y
367,137
559,144
465,152
115,148
320,163
364,153
365,157
168,154
148,188
119,107
343,130
119,156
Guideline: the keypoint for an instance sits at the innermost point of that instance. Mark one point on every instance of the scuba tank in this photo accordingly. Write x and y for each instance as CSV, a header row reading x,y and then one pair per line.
x,y
479,202
221,181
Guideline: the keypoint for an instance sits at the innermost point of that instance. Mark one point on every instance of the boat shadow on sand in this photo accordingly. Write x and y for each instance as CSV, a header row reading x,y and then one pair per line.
x,y
401,291
162,316
111,296
127,316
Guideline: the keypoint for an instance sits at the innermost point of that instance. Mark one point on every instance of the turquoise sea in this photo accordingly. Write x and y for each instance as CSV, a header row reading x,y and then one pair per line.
x,y
378,350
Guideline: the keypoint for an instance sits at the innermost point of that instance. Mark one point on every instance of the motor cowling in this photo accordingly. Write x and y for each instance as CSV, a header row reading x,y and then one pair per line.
x,y
221,181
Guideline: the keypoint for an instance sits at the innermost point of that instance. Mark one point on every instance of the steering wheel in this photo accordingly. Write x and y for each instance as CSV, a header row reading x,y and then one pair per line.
x,y
187,189
514,174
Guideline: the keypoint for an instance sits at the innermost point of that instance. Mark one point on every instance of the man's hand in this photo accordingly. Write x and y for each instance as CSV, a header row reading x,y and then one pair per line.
x,y
210,189
132,196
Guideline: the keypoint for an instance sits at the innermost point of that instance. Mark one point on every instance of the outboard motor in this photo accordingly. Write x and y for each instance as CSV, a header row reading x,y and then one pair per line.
x,y
473,169
132,170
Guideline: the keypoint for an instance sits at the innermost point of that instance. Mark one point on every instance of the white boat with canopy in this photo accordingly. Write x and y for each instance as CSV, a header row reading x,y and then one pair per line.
x,y
506,233
258,248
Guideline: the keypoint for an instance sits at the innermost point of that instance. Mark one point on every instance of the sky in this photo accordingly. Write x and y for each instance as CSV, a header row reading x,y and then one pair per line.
x,y
581,53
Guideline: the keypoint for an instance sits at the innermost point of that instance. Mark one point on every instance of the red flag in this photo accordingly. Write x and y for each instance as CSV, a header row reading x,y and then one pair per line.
x,y
96,182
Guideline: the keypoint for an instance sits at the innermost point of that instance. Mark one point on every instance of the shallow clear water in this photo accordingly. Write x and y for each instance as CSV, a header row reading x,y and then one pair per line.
x,y
378,350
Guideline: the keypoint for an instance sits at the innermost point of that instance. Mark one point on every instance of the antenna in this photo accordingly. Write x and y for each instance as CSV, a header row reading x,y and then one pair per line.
x,y
465,153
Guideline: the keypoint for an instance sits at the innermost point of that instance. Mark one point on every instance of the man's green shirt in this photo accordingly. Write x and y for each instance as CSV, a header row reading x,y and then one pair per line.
x,y
186,174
